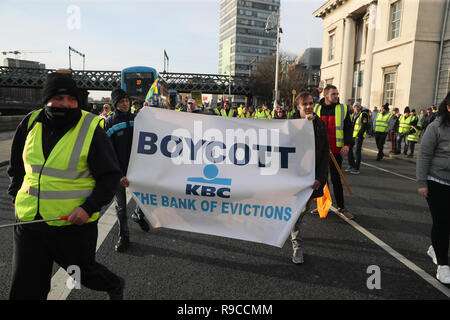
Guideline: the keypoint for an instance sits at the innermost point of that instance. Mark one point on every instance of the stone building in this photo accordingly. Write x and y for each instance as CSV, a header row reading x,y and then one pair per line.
x,y
395,51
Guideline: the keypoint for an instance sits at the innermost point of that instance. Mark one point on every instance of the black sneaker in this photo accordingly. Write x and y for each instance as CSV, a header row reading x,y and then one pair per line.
x,y
345,214
123,244
117,294
141,222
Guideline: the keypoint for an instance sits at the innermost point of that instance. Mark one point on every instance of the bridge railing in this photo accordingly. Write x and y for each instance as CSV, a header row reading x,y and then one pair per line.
x,y
108,80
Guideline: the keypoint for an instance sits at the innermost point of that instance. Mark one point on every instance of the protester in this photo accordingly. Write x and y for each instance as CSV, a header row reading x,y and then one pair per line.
x,y
192,107
136,106
413,136
280,114
106,111
262,112
361,125
119,128
433,181
403,129
340,132
243,113
305,107
373,120
251,112
427,119
394,130
95,110
382,126
62,164
227,111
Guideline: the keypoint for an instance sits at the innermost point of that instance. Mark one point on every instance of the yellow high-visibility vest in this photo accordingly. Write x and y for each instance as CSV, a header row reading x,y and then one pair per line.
x,y
223,113
57,185
415,136
405,124
340,114
382,122
263,114
240,111
358,125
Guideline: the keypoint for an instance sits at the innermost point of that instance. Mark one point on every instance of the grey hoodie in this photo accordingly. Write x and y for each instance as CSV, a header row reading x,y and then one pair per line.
x,y
434,155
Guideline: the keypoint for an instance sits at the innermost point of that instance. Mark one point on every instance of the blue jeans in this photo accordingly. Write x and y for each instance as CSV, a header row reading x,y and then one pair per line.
x,y
401,138
296,238
121,211
354,160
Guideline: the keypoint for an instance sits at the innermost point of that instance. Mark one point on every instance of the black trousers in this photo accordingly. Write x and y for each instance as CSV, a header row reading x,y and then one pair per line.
x,y
36,247
438,195
380,139
338,190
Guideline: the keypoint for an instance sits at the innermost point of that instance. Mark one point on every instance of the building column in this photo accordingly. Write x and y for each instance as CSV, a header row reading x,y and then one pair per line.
x,y
368,64
348,58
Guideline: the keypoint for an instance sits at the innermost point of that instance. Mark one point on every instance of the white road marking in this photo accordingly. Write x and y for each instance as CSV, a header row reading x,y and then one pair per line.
x,y
58,288
409,264
388,171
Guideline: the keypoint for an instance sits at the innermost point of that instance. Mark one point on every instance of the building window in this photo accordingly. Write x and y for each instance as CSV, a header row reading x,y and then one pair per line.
x,y
331,46
394,23
389,88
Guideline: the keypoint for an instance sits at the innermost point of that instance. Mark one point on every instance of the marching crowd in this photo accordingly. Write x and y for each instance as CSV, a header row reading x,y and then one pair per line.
x,y
69,162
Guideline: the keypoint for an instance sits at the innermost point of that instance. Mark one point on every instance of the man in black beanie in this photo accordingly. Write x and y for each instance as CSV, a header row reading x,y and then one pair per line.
x,y
403,129
119,128
62,167
382,126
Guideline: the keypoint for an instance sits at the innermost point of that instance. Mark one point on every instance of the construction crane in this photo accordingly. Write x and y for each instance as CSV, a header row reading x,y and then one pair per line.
x,y
19,52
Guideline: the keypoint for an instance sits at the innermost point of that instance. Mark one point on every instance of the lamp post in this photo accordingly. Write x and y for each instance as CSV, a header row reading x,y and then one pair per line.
x,y
255,59
81,54
274,21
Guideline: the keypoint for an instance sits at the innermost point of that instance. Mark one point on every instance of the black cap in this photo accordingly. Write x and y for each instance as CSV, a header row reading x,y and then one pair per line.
x,y
58,83
117,95
407,110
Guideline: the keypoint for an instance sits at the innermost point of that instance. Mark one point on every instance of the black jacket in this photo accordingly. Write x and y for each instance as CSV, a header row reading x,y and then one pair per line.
x,y
119,127
101,160
365,122
322,151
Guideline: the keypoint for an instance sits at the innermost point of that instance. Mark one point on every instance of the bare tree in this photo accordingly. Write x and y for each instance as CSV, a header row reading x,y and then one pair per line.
x,y
291,77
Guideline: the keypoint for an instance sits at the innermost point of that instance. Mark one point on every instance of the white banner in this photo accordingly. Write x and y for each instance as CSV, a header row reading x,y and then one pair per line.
x,y
232,177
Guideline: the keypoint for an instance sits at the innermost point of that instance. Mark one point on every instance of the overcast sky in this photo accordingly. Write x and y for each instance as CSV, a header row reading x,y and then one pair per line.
x,y
114,34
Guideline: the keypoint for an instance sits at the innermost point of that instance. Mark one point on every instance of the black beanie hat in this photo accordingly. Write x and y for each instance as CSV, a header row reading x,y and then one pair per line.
x,y
407,110
58,83
117,95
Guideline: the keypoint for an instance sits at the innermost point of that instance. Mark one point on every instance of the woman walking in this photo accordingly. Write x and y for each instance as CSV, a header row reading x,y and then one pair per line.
x,y
433,179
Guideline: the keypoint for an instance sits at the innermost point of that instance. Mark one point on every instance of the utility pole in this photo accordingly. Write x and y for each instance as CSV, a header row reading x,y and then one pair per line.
x,y
166,58
81,54
274,20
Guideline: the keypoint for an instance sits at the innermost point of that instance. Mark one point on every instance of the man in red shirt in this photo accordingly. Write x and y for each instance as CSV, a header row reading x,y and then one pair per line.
x,y
340,131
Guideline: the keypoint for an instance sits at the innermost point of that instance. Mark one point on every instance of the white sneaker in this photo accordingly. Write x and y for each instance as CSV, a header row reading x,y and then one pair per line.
x,y
443,274
432,254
